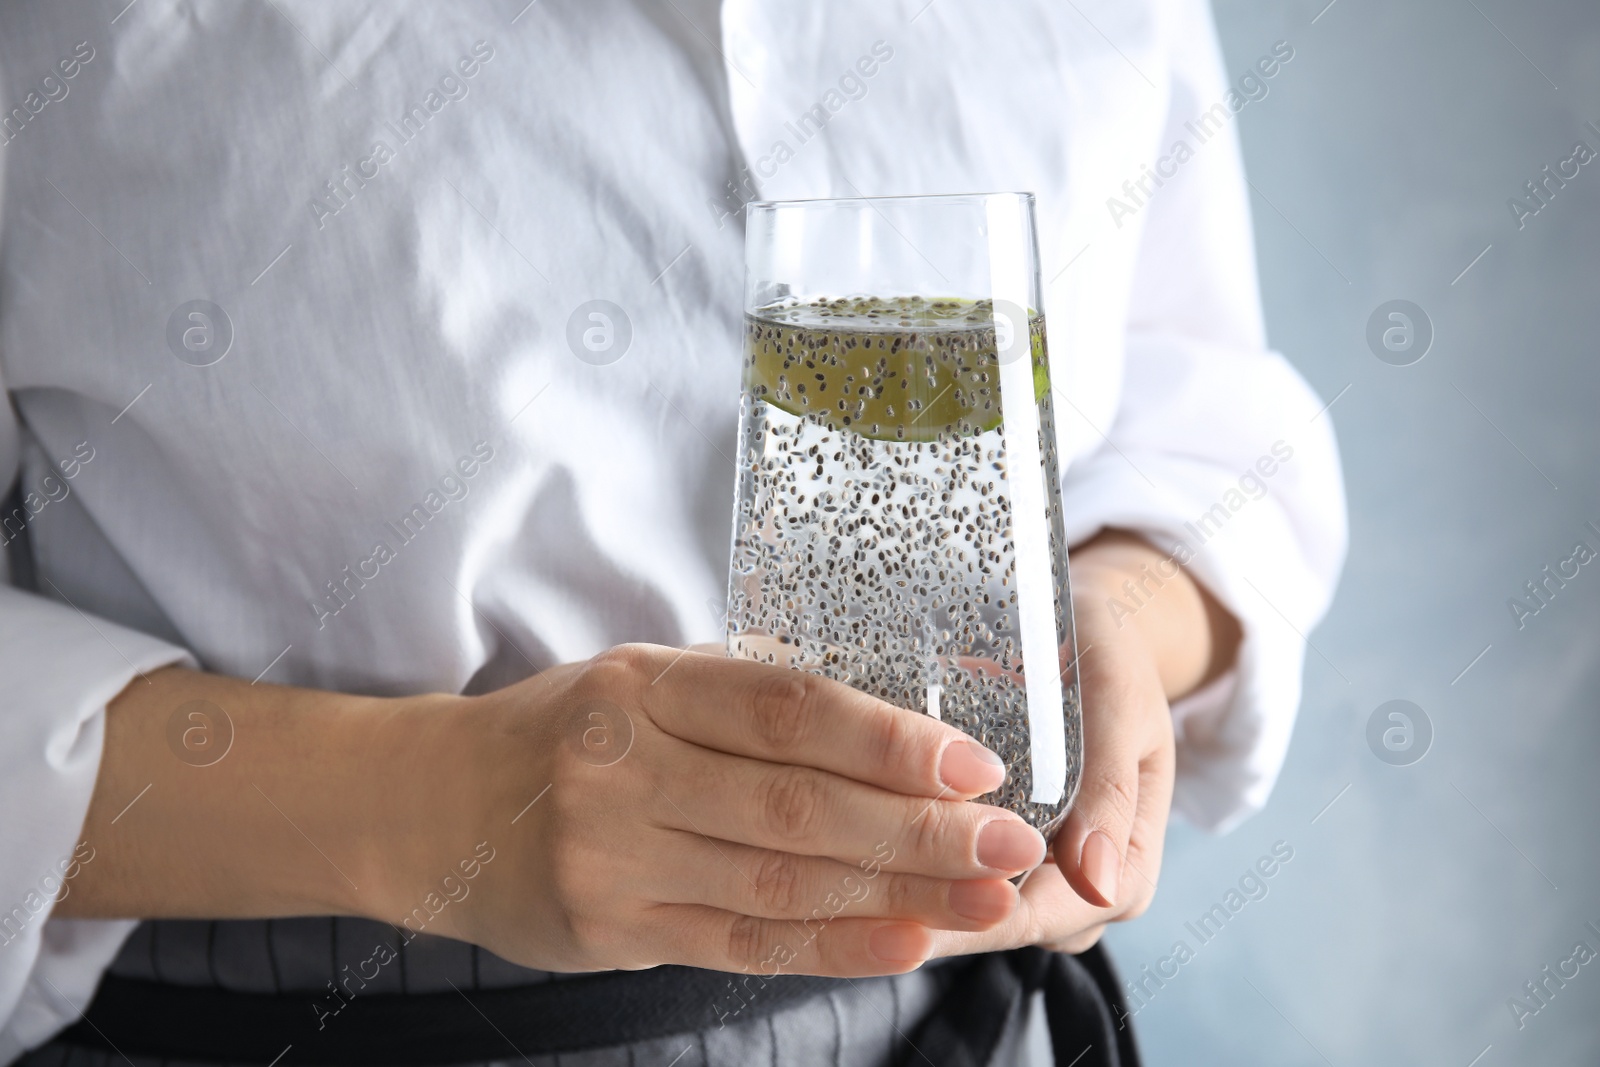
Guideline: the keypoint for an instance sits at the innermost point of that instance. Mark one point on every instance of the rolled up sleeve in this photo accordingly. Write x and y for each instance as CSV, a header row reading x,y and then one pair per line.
x,y
1220,453
59,668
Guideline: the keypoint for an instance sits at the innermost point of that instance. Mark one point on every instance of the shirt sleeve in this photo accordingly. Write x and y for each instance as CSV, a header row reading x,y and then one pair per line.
x,y
1220,453
58,669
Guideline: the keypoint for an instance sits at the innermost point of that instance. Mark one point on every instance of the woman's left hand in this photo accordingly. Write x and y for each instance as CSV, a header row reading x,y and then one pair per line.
x,y
1105,861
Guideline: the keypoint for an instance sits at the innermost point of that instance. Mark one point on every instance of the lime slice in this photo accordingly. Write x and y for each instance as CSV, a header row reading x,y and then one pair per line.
x,y
890,369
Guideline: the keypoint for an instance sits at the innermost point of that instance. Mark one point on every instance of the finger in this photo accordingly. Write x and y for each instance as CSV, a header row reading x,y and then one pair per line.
x,y
787,716
807,889
814,813
1141,867
698,936
1123,746
1049,912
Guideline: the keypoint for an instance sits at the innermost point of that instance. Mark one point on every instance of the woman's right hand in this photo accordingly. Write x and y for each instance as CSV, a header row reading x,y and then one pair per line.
x,y
648,806
654,806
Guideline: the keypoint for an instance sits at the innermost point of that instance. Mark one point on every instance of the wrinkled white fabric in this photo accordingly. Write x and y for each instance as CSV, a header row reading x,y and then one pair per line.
x,y
399,208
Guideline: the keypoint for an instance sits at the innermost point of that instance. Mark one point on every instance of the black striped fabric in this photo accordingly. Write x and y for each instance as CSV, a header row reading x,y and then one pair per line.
x,y
303,955
864,1023
227,993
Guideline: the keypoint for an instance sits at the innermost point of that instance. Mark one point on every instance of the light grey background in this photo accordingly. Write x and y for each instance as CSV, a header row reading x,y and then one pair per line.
x,y
1426,895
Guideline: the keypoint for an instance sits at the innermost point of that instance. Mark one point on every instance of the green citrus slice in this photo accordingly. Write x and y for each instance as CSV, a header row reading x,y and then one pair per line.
x,y
890,369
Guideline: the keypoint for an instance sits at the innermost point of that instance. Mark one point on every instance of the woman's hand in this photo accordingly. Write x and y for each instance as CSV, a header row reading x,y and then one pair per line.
x,y
645,807
1106,859
652,806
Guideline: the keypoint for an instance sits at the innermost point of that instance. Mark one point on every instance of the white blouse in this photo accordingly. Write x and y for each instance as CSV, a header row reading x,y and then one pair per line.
x,y
292,312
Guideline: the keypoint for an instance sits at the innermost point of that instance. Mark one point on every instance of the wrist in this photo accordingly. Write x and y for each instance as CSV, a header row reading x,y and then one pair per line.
x,y
308,779
1124,589
1138,594
414,770
216,798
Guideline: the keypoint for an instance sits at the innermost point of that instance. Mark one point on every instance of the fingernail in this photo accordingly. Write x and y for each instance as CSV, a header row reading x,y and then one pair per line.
x,y
1007,845
1101,865
982,901
901,943
968,767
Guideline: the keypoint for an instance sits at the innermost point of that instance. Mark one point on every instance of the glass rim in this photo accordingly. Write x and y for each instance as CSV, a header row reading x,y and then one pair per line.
x,y
1014,194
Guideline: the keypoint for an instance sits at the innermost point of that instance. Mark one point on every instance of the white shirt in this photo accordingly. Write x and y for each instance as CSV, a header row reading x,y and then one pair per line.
x,y
399,315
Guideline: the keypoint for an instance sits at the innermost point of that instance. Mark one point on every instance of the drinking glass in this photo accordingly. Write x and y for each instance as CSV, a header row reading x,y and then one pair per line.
x,y
897,517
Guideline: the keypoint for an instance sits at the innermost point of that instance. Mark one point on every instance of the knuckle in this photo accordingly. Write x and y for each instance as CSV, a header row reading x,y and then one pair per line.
x,y
900,896
570,875
781,709
933,829
792,804
567,811
891,741
777,883
744,939
586,931
572,882
1116,797
617,668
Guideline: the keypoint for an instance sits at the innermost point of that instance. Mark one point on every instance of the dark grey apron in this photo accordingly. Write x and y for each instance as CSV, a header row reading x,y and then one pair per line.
x,y
248,993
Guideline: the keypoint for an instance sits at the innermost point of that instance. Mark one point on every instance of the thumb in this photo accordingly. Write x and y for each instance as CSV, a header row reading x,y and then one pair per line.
x,y
1094,840
1092,845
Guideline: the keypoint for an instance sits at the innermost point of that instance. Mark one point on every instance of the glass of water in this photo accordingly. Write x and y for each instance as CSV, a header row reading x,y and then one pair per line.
x,y
897,516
